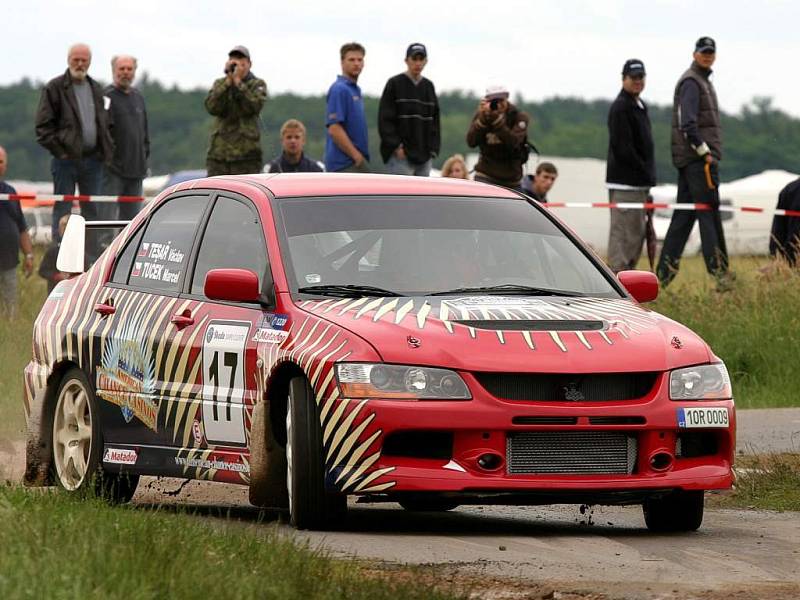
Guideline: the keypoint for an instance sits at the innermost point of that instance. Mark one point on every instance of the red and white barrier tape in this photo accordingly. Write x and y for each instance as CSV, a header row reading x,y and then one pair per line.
x,y
671,206
641,205
40,198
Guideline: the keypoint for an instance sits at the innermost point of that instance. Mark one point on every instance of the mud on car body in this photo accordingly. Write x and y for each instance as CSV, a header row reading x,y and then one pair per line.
x,y
432,343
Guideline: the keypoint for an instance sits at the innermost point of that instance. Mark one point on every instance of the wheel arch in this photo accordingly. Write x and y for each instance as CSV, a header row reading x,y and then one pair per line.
x,y
38,449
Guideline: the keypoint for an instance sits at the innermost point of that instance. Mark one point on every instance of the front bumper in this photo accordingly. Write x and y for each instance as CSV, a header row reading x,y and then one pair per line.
x,y
663,460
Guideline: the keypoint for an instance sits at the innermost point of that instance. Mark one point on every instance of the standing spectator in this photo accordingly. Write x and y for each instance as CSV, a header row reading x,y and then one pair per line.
x,y
131,138
630,167
456,167
47,268
13,237
785,238
536,186
292,159
347,143
235,101
408,118
696,152
499,130
72,123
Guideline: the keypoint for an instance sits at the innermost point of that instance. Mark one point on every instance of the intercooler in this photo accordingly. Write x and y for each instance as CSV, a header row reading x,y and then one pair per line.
x,y
570,452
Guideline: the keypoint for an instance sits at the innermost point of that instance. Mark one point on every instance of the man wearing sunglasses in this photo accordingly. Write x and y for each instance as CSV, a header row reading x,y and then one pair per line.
x,y
696,152
630,167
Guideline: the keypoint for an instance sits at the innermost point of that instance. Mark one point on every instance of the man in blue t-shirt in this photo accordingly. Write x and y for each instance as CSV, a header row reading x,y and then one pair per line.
x,y
347,145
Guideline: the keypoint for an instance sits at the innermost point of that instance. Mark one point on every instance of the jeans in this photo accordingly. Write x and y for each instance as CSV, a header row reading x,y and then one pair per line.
x,y
402,166
8,293
87,173
114,185
693,188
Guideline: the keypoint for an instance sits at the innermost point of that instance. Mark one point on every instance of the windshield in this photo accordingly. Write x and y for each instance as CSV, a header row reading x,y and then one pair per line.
x,y
426,245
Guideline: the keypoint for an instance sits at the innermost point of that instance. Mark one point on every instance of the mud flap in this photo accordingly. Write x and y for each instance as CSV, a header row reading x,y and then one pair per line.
x,y
267,463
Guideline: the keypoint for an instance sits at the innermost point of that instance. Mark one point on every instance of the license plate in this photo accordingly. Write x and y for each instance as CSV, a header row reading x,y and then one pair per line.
x,y
702,417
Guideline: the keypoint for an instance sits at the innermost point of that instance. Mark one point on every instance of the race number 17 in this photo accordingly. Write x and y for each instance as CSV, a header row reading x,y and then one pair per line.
x,y
223,382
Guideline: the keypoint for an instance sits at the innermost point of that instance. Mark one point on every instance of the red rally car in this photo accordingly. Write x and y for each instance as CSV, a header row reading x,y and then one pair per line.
x,y
422,341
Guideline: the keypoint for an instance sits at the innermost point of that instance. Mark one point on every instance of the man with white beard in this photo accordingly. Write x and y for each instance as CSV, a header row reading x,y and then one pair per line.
x,y
72,124
131,138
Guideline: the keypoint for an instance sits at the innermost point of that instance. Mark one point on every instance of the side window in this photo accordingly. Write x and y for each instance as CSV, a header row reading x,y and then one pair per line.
x,y
163,251
122,268
232,240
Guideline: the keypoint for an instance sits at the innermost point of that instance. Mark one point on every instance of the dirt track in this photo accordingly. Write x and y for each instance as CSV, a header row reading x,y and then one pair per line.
x,y
541,552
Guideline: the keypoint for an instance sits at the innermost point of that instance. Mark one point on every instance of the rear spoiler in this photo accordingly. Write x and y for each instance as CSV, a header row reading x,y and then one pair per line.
x,y
73,244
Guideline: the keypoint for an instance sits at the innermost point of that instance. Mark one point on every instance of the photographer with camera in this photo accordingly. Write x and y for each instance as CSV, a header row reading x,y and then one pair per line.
x,y
236,101
500,132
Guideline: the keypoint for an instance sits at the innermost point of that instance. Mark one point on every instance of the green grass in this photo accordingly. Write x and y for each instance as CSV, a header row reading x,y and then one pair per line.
x,y
53,545
754,328
769,482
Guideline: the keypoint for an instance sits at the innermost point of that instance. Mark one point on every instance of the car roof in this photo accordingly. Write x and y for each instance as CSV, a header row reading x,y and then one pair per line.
x,y
347,184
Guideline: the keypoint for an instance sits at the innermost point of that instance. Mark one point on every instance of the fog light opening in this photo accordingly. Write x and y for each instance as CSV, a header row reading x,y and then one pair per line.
x,y
490,461
661,461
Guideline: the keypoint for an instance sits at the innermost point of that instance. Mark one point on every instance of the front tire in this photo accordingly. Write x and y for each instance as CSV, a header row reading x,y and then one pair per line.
x,y
77,443
679,511
310,505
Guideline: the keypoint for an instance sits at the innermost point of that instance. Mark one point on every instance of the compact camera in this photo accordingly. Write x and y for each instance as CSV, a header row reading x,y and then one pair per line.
x,y
493,103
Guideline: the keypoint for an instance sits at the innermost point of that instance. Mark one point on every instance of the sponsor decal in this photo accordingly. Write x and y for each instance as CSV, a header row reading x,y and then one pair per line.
x,y
225,334
204,463
269,336
197,431
120,456
676,342
493,302
144,250
126,375
137,270
279,321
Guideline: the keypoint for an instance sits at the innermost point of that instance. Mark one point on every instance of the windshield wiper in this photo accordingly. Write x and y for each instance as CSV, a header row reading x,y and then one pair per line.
x,y
347,291
508,289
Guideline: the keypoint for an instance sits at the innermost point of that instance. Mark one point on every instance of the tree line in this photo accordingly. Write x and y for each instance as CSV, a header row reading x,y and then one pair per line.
x,y
759,137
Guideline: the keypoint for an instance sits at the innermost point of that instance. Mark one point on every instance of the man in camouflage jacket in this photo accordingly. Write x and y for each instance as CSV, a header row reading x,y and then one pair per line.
x,y
236,101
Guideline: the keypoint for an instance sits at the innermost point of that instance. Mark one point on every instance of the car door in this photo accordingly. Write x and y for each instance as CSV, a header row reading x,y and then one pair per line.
x,y
219,414
147,325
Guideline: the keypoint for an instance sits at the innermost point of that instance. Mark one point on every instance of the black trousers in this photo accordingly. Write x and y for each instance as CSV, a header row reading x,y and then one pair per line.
x,y
693,188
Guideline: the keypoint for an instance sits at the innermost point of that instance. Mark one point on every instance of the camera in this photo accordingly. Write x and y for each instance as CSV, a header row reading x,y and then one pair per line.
x,y
230,68
493,103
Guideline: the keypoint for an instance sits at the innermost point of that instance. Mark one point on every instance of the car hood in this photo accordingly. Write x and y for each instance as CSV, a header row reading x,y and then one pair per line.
x,y
517,334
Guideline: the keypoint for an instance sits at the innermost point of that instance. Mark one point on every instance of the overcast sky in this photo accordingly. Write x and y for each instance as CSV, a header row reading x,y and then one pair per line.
x,y
538,49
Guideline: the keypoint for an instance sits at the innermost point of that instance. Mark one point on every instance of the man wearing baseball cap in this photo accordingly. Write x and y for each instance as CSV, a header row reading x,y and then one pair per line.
x,y
235,102
696,152
499,130
408,118
630,167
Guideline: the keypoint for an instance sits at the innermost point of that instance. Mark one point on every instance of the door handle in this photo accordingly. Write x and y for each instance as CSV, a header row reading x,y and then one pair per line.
x,y
182,320
105,309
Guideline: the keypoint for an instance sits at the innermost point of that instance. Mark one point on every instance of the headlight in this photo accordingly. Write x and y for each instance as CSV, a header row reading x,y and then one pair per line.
x,y
401,382
703,382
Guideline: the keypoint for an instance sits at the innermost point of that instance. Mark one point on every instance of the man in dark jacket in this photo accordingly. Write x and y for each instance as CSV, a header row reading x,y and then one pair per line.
x,y
131,138
785,238
408,118
499,130
696,152
236,101
72,122
292,159
630,167
13,238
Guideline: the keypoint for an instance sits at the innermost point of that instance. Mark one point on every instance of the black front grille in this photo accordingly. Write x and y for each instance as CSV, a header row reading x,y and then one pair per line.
x,y
570,452
560,387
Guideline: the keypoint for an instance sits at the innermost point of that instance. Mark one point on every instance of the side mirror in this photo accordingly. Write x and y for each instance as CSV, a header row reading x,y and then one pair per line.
x,y
233,285
642,285
71,253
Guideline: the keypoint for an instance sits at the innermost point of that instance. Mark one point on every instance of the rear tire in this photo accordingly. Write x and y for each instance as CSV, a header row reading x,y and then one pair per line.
x,y
679,511
77,443
310,505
